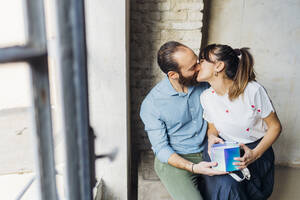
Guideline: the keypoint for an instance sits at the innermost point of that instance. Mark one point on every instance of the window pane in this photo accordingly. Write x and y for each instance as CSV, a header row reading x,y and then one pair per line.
x,y
12,30
16,143
14,86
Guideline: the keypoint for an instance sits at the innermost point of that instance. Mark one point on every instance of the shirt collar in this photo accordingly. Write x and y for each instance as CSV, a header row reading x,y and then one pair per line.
x,y
168,88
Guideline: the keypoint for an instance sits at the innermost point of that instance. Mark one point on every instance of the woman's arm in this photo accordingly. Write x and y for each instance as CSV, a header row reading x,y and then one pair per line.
x,y
274,129
211,130
212,136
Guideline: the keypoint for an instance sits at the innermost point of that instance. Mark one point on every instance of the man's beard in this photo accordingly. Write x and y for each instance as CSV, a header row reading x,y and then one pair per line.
x,y
188,81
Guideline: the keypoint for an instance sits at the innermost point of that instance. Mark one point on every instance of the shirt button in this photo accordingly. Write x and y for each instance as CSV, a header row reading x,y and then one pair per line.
x,y
194,122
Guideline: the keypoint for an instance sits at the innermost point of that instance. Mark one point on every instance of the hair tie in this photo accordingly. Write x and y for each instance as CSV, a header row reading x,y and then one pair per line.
x,y
237,52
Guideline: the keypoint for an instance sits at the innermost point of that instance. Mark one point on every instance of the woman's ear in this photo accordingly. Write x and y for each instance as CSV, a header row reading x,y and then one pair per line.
x,y
173,75
220,66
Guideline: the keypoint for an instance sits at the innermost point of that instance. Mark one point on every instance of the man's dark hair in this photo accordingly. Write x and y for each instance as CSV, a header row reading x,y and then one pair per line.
x,y
165,56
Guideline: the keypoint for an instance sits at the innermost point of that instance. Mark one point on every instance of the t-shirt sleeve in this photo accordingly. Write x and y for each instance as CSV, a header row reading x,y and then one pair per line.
x,y
263,102
203,100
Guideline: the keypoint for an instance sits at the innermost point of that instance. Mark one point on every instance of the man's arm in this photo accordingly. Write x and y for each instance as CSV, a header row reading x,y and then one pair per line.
x,y
157,135
179,162
200,168
156,131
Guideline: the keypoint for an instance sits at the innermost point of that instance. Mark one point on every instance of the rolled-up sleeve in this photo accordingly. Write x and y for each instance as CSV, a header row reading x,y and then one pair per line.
x,y
156,131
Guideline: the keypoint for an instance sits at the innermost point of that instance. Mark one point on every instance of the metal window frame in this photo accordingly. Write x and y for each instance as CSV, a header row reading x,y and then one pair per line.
x,y
72,63
34,52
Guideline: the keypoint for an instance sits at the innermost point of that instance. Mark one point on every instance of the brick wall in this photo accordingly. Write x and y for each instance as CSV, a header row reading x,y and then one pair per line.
x,y
152,23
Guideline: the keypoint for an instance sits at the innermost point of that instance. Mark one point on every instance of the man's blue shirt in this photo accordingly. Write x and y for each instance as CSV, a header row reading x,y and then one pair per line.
x,y
173,120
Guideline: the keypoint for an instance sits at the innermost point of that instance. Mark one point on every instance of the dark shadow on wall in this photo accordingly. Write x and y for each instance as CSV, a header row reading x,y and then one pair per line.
x,y
143,22
206,20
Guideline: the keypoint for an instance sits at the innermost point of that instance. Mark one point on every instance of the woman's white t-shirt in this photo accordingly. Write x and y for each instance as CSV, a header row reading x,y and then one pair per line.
x,y
240,120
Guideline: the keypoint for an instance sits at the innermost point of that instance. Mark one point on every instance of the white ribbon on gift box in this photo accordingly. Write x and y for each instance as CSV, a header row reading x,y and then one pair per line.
x,y
245,172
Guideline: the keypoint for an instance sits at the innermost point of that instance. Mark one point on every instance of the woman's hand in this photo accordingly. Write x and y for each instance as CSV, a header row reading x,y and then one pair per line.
x,y
212,139
249,157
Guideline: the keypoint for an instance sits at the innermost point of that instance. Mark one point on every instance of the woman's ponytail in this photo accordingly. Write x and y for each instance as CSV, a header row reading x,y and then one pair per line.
x,y
244,74
238,66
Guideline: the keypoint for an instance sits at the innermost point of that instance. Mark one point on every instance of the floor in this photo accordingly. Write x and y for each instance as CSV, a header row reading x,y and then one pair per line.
x,y
287,184
13,184
16,166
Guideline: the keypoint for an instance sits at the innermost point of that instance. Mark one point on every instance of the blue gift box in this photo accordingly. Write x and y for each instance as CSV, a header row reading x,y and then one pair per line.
x,y
224,155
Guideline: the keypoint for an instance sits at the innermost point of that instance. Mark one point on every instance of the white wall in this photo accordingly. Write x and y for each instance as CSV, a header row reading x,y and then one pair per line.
x,y
107,65
271,28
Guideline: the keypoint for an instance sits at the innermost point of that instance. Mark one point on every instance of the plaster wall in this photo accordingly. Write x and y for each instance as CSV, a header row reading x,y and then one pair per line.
x,y
271,29
108,94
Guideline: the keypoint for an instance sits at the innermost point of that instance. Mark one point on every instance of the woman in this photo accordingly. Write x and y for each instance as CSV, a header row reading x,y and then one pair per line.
x,y
238,109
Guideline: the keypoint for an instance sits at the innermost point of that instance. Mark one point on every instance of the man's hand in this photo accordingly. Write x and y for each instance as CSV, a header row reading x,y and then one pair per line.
x,y
249,157
206,169
212,139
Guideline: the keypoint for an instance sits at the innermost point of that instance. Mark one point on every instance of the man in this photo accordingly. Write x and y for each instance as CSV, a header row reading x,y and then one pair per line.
x,y
172,115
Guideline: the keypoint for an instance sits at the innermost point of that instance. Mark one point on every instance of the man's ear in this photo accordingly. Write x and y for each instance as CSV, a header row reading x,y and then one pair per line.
x,y
173,75
220,66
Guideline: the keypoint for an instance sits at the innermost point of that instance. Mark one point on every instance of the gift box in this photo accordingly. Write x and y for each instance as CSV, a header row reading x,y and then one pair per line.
x,y
224,155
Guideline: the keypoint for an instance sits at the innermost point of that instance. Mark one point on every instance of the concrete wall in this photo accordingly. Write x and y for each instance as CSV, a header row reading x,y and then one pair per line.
x,y
108,76
271,29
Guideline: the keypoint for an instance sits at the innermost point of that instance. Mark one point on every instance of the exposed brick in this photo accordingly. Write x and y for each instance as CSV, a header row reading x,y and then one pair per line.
x,y
153,16
174,15
188,26
140,28
167,35
193,45
147,166
190,34
164,6
188,5
143,7
195,16
152,23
